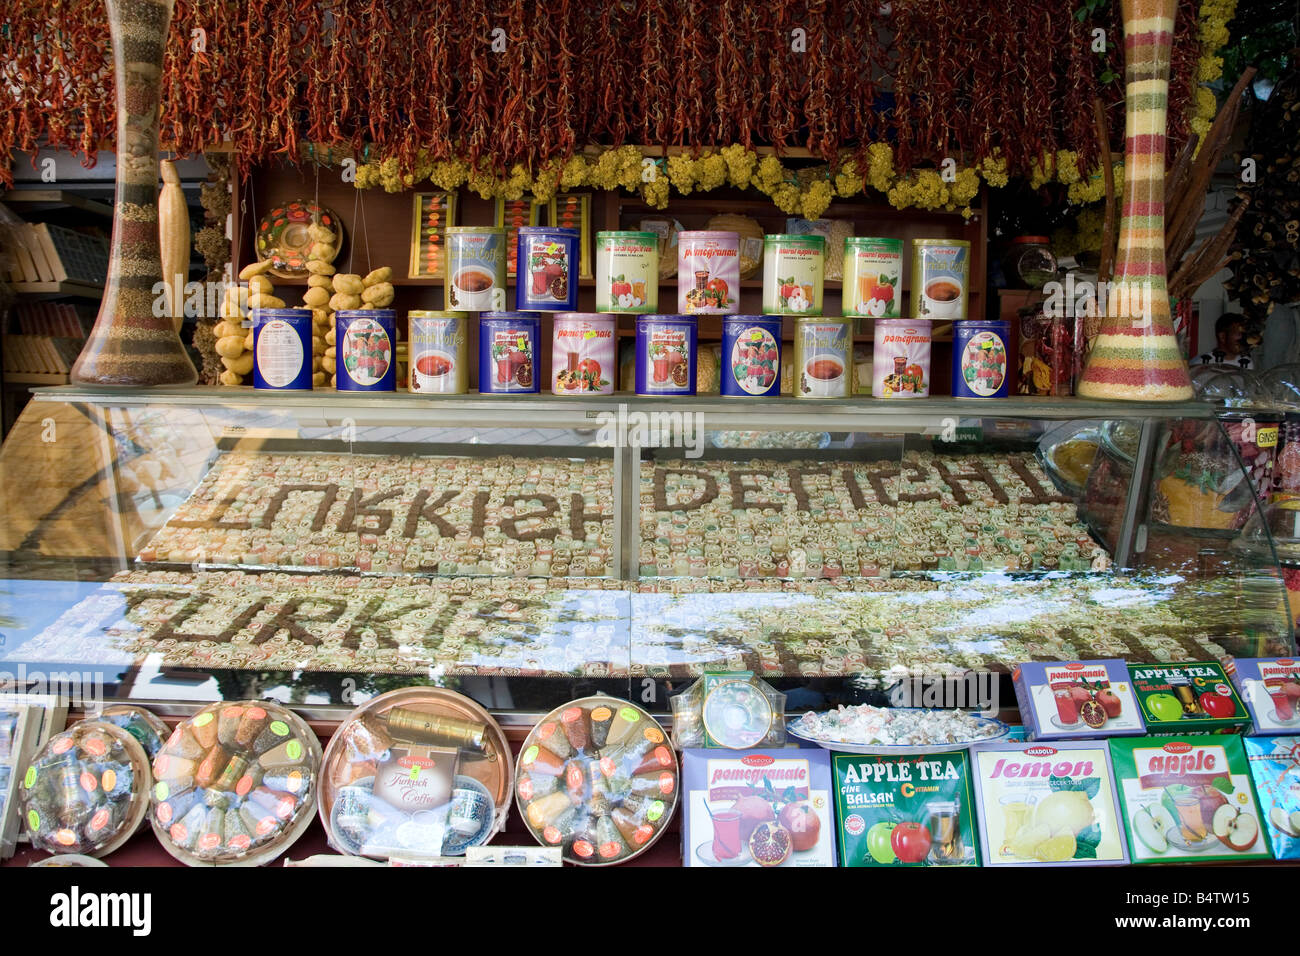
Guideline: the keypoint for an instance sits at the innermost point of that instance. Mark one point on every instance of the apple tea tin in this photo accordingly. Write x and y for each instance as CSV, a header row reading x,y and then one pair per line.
x,y
367,343
474,269
582,353
708,272
981,358
823,352
665,354
794,270
1192,697
873,276
900,366
507,353
438,349
547,278
940,278
282,359
627,272
751,356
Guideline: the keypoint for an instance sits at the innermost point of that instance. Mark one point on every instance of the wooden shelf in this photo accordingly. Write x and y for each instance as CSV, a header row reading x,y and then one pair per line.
x,y
84,290
56,198
35,378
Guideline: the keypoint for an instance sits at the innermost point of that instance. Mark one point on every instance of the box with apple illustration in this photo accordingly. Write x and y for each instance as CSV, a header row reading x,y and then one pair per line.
x,y
1275,769
1187,798
1079,699
1270,688
913,810
1044,804
1188,698
757,808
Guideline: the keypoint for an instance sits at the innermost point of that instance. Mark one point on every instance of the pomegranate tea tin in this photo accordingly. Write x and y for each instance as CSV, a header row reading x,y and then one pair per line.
x,y
794,268
439,361
665,354
547,279
627,272
474,269
282,349
582,353
367,344
873,276
507,353
708,272
823,353
901,364
980,359
751,356
940,278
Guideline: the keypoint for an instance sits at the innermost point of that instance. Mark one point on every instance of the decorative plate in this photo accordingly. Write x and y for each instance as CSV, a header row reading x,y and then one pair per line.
x,y
283,236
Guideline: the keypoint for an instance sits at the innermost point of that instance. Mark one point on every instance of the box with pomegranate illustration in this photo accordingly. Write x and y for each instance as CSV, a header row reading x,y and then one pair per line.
x,y
765,808
1187,798
906,810
1083,699
1270,689
1189,698
1044,804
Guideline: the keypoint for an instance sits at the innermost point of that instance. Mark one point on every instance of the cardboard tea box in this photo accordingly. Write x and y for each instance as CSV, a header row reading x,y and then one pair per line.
x,y
1076,699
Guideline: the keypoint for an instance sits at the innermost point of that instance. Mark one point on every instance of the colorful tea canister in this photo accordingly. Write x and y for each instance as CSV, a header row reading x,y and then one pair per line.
x,y
582,353
794,268
474,269
439,361
900,367
981,358
708,272
282,349
547,278
940,278
823,353
367,345
873,276
507,353
627,272
751,356
665,354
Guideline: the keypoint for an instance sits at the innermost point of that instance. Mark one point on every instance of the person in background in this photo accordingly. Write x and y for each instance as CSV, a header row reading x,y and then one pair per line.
x,y
1229,331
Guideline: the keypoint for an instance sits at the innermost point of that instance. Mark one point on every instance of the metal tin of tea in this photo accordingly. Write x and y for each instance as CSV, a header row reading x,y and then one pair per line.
x,y
547,279
582,354
940,278
751,356
823,357
282,349
981,358
794,268
900,367
439,357
367,347
665,354
708,272
873,276
507,353
627,272
474,269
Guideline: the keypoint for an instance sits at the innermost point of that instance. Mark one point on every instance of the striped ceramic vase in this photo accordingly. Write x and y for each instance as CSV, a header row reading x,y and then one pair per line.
x,y
133,341
1135,355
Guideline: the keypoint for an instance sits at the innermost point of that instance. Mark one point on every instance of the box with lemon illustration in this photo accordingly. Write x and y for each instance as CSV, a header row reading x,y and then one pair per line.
x,y
1047,804
1188,698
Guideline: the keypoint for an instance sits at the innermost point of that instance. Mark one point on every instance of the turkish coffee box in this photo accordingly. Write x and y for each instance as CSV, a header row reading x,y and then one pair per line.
x,y
757,808
1270,689
1188,698
1076,699
1042,804
1275,771
905,810
1187,798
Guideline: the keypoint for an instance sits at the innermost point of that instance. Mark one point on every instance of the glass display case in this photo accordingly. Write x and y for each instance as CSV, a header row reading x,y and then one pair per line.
x,y
186,545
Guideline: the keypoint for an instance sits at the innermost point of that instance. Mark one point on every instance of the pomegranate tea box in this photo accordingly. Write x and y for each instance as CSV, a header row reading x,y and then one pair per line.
x,y
1187,798
1047,804
757,808
905,810
1270,689
1060,700
1188,698
1275,770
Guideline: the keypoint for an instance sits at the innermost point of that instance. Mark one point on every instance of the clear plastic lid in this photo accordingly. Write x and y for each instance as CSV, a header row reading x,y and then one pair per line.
x,y
140,723
1278,521
1280,385
1227,386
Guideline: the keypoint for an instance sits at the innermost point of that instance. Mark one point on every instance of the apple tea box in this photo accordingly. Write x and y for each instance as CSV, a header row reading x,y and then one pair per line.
x,y
1275,771
1270,689
1076,699
1188,698
762,808
905,810
1044,804
1187,798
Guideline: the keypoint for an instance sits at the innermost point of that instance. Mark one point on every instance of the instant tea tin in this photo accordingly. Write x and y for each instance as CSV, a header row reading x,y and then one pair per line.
x,y
873,276
940,278
582,353
708,272
981,358
474,269
665,354
367,347
547,279
794,268
627,272
439,359
900,367
751,356
507,353
823,357
282,348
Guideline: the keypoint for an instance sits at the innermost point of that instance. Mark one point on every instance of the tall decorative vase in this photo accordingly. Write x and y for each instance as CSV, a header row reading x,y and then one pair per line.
x,y
133,341
1135,355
